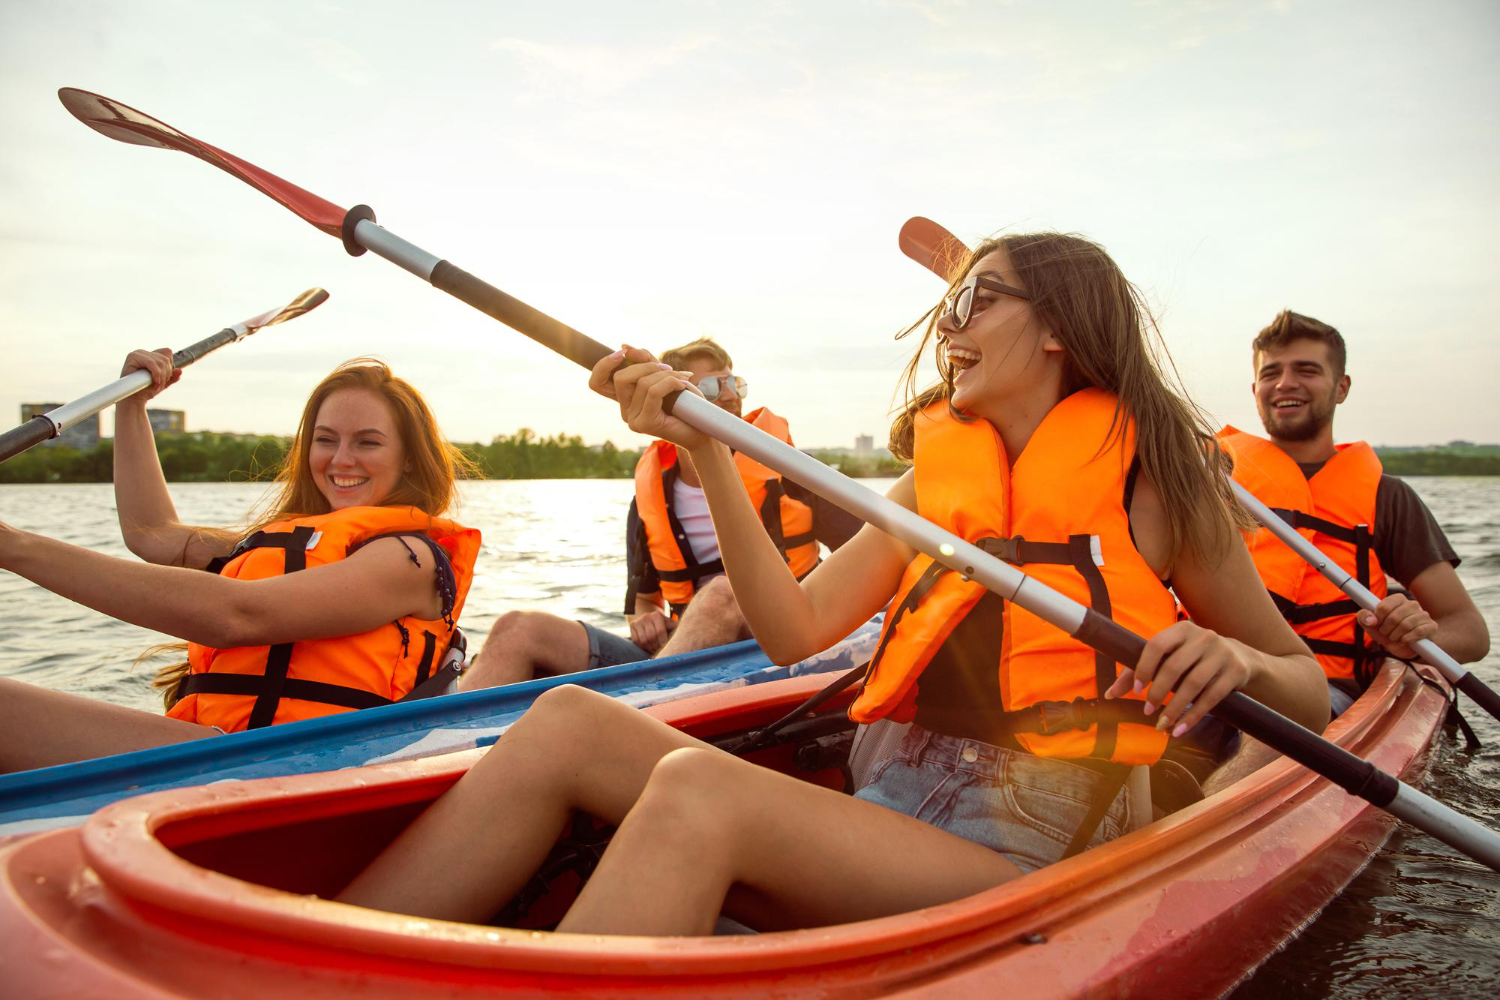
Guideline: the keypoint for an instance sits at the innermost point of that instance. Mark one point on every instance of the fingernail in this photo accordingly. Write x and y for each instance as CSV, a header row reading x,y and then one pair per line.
x,y
1148,708
1139,687
1180,729
616,356
1109,694
1161,723
663,366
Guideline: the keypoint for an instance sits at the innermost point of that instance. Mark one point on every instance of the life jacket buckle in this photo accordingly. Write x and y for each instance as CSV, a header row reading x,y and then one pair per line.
x,y
1062,716
1007,549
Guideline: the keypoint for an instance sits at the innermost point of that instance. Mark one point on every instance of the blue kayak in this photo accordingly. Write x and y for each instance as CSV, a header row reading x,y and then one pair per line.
x,y
52,797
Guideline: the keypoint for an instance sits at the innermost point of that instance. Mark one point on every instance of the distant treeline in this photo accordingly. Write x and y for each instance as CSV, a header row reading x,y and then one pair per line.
x,y
1473,460
208,457
203,457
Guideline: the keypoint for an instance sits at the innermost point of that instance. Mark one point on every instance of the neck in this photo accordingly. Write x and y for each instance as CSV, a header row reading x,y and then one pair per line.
x,y
1318,448
1019,416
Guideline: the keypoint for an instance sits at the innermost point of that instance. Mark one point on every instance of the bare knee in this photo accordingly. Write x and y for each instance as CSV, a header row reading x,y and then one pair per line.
x,y
691,794
718,595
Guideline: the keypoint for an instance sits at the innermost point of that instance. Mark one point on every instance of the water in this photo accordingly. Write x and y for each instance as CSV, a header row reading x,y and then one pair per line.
x,y
1420,920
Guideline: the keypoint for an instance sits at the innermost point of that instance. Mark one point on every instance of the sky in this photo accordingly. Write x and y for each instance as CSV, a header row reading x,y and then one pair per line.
x,y
654,172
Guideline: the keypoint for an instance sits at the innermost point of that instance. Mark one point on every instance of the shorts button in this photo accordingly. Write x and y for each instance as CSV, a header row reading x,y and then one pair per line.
x,y
970,755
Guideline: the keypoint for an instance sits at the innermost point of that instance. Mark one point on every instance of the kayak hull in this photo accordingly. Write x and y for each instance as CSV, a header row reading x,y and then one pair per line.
x,y
52,797
138,902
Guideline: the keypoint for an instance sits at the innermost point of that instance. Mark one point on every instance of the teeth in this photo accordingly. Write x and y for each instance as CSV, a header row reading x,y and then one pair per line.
x,y
962,358
348,480
1287,404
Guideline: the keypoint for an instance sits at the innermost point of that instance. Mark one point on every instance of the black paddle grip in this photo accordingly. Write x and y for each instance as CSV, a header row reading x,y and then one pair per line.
x,y
1480,693
571,344
1358,777
30,434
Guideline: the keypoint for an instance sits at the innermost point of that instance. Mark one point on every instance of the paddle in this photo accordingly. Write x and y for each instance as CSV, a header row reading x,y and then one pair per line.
x,y
359,232
45,426
938,250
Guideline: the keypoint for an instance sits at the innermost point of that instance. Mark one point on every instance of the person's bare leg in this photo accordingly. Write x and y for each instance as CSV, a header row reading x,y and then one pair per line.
x,y
524,645
712,619
574,749
812,856
39,728
1249,758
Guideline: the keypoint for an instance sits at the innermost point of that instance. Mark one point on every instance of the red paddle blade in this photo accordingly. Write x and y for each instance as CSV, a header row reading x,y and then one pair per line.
x,y
122,122
932,246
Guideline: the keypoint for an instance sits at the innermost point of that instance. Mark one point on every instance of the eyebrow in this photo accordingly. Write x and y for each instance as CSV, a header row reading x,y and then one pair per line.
x,y
365,430
1296,363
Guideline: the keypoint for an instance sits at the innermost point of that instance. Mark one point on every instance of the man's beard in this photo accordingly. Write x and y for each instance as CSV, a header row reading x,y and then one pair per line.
x,y
1318,417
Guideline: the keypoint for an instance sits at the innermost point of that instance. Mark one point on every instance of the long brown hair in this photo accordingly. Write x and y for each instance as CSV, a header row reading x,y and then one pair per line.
x,y
1110,341
434,465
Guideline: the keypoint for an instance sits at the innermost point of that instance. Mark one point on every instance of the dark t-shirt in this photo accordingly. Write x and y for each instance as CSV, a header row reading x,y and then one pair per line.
x,y
1408,538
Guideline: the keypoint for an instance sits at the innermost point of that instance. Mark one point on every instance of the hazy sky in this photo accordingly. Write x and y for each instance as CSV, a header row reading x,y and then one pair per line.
x,y
652,172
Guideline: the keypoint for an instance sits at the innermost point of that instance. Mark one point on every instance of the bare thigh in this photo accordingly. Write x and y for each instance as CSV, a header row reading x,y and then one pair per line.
x,y
39,728
790,853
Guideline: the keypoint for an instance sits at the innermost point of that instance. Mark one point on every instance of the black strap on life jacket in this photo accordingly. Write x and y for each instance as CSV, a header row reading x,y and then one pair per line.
x,y
1359,651
270,687
1077,552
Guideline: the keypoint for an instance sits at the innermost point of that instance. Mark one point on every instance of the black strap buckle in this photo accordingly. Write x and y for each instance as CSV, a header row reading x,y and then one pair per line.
x,y
1008,549
1063,716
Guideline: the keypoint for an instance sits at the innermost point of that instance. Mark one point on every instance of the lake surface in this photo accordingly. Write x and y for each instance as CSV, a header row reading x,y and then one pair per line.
x,y
1420,921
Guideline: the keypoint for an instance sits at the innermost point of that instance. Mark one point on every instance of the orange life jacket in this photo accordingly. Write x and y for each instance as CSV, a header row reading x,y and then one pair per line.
x,y
1060,512
247,687
1334,511
789,522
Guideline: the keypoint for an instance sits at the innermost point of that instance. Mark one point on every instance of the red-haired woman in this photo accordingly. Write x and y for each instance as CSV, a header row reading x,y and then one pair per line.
x,y
343,596
1053,437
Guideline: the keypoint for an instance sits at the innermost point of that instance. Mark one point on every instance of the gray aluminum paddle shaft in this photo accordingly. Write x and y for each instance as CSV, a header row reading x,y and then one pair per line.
x,y
48,425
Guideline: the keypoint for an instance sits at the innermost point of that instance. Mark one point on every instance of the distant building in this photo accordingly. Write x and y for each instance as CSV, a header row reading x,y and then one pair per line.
x,y
864,444
82,435
167,421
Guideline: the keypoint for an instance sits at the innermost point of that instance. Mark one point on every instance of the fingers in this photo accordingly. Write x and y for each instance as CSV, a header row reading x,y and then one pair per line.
x,y
1193,665
602,375
1397,622
157,364
644,411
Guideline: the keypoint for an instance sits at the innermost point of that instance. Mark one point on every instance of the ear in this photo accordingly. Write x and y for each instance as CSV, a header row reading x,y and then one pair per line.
x,y
1052,344
1343,390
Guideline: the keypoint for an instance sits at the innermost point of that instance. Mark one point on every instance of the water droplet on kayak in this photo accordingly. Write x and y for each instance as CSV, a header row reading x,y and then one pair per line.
x,y
491,936
1033,939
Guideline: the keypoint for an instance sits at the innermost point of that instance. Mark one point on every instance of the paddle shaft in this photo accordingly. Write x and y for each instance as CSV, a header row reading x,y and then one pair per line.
x,y
1335,574
1359,777
45,426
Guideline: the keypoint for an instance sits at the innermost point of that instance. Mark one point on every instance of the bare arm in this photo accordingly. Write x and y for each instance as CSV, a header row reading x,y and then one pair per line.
x,y
376,585
1443,612
790,620
148,518
1236,640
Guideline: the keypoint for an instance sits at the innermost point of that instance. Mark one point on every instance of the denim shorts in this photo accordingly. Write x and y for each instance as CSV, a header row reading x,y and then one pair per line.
x,y
1025,807
609,650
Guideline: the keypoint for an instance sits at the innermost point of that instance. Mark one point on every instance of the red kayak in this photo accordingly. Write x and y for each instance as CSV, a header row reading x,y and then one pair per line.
x,y
214,891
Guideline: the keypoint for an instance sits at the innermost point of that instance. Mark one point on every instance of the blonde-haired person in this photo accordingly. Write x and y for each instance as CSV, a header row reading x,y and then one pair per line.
x,y
1052,421
677,599
340,597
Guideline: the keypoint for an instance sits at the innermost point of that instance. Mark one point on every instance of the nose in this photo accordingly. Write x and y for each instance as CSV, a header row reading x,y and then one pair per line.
x,y
947,324
726,388
341,457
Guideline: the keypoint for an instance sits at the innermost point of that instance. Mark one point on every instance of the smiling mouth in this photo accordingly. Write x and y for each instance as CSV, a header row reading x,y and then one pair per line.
x,y
1288,404
348,482
962,359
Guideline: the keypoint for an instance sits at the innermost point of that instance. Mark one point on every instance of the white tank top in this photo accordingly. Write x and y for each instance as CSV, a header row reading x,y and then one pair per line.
x,y
691,507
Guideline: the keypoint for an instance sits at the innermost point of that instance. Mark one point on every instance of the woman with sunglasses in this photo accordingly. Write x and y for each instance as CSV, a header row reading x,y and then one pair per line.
x,y
1052,438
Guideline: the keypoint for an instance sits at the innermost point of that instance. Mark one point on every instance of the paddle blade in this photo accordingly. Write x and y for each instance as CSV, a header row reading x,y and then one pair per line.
x,y
304,303
126,124
932,246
